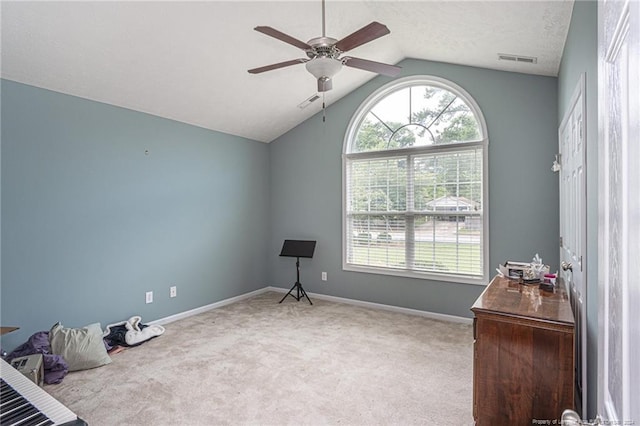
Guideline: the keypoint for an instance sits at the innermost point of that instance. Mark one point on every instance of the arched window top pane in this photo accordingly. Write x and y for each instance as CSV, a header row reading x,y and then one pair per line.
x,y
415,112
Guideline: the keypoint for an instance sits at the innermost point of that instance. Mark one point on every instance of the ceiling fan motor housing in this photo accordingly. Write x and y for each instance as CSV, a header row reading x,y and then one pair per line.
x,y
323,46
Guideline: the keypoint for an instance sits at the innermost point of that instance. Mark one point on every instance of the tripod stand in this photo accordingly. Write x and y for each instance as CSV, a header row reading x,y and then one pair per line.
x,y
297,286
297,249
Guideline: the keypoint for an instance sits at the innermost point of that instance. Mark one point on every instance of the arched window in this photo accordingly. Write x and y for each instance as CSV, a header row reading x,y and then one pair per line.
x,y
415,193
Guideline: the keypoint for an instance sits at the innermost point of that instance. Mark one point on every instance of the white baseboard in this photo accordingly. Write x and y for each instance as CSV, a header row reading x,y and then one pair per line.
x,y
426,314
201,309
409,311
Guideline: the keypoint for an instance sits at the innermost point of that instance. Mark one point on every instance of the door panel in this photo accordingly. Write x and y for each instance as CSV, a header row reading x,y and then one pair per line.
x,y
572,134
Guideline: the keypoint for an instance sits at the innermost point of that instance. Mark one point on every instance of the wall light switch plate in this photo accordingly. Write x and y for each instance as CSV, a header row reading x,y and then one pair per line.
x,y
173,291
149,297
324,276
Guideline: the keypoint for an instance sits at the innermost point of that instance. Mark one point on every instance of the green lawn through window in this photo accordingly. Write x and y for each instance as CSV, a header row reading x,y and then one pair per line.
x,y
437,257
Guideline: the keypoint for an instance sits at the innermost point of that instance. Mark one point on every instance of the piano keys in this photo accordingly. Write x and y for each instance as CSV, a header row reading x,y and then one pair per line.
x,y
23,403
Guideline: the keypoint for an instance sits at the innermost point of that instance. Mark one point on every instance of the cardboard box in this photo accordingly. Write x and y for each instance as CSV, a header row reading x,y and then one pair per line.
x,y
31,366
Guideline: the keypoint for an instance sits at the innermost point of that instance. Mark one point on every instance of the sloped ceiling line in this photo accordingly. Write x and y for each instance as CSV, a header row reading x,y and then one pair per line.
x,y
188,61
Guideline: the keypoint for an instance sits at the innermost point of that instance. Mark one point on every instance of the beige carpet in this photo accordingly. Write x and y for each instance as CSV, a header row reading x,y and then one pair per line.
x,y
260,362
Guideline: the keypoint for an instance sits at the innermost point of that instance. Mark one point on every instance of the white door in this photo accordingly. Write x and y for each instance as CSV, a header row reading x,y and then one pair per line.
x,y
619,211
573,231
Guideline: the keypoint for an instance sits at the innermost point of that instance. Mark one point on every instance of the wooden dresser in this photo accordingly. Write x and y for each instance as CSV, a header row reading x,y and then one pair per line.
x,y
523,368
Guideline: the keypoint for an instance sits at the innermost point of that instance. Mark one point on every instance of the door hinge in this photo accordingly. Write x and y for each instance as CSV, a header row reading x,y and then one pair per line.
x,y
560,241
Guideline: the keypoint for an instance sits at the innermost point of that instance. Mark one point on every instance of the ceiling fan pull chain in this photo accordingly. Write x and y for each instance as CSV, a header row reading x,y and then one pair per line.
x,y
324,117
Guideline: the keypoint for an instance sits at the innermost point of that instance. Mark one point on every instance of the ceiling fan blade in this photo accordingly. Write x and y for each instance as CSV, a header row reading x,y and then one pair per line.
x,y
367,65
283,37
276,66
364,35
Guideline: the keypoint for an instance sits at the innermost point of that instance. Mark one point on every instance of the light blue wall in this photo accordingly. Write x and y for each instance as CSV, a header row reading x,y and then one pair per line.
x,y
580,56
306,188
90,223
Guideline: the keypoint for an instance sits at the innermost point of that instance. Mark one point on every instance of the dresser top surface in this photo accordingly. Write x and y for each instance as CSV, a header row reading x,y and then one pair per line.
x,y
508,297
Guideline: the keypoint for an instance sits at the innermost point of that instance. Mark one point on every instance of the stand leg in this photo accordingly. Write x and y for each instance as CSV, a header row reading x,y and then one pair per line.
x,y
285,296
305,295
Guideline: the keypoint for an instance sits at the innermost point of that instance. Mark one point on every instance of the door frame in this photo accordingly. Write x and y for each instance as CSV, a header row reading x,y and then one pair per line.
x,y
624,33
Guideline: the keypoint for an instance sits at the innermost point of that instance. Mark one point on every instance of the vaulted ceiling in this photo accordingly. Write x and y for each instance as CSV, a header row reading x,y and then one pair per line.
x,y
188,61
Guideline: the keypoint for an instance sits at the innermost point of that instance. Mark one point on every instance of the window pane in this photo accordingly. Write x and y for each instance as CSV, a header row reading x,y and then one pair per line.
x,y
448,181
376,240
378,185
449,244
456,124
445,116
373,135
394,108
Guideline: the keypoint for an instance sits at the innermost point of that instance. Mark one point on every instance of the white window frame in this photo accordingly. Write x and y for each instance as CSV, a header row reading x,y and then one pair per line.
x,y
350,135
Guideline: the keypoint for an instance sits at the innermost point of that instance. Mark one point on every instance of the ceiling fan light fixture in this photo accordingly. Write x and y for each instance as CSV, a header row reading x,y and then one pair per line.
x,y
324,67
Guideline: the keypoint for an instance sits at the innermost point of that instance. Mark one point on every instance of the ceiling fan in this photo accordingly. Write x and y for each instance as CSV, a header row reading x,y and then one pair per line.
x,y
323,53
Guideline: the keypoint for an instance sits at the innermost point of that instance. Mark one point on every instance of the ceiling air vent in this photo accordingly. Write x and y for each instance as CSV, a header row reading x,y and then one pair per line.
x,y
517,58
307,102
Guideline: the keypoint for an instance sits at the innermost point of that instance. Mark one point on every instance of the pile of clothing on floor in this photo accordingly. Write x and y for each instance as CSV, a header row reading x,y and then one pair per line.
x,y
68,349
129,333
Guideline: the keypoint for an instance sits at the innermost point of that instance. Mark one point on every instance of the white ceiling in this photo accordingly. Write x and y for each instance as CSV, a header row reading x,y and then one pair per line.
x,y
188,61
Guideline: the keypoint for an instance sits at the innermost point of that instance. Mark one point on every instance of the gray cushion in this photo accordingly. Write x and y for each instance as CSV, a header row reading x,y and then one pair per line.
x,y
82,348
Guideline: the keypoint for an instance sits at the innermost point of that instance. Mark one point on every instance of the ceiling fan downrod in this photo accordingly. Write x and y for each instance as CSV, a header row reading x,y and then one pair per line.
x,y
324,33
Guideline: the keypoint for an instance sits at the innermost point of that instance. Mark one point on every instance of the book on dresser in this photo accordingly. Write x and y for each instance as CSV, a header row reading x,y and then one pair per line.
x,y
523,367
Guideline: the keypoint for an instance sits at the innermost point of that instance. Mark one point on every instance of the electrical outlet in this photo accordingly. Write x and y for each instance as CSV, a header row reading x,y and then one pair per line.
x,y
149,297
324,276
173,291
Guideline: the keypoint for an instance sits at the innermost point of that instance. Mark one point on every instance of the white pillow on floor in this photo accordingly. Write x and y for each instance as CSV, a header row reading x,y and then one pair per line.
x,y
81,348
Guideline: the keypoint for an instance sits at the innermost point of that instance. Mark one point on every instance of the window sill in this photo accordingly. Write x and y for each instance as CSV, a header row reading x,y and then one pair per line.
x,y
460,279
